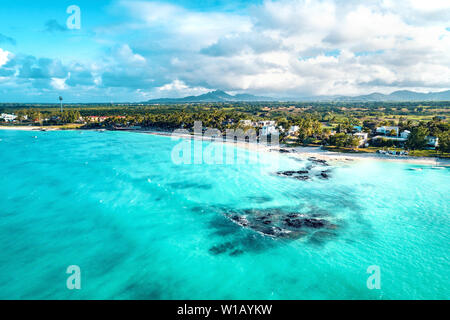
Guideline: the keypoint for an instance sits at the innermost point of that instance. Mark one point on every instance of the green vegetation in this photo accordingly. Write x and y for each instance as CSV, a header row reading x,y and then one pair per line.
x,y
417,138
330,124
308,128
444,141
344,140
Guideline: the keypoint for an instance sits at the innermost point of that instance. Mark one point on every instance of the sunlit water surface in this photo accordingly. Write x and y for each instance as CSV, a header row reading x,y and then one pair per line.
x,y
141,226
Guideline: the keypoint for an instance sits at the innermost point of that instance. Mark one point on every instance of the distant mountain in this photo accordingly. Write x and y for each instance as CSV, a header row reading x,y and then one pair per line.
x,y
402,95
222,96
213,96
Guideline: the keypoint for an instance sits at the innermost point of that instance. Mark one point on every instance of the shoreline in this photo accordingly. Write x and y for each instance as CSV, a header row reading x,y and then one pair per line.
x,y
296,152
315,152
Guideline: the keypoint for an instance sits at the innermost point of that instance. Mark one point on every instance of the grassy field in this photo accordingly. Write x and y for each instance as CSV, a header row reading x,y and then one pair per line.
x,y
351,150
70,126
429,153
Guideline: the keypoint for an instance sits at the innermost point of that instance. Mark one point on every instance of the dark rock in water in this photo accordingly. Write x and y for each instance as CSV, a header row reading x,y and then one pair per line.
x,y
305,222
324,175
265,219
284,151
236,252
221,248
318,161
286,173
269,231
295,223
314,223
299,175
240,220
260,199
276,223
302,175
272,231
291,173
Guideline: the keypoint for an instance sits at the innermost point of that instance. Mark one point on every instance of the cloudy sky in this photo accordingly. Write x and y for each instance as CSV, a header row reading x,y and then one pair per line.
x,y
137,50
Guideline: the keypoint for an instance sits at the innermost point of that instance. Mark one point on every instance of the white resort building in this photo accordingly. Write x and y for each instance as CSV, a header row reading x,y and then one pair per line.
x,y
402,137
363,136
246,123
8,117
387,130
432,142
405,134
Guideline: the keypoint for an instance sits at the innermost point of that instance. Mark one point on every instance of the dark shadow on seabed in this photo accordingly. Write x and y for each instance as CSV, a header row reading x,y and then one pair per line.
x,y
241,230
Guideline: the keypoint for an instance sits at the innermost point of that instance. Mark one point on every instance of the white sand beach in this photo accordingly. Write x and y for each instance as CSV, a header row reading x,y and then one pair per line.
x,y
21,128
318,153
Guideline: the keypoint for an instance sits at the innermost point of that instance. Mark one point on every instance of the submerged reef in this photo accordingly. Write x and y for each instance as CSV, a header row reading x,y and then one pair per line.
x,y
278,223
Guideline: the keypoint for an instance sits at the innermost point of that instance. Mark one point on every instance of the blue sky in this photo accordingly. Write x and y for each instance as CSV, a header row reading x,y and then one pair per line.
x,y
138,50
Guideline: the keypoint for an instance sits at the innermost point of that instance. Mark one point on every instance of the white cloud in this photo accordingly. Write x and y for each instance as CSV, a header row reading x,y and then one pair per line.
x,y
178,88
58,83
4,56
429,5
124,54
329,47
184,29
280,48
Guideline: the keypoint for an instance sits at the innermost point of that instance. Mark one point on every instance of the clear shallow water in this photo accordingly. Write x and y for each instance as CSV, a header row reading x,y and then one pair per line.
x,y
141,227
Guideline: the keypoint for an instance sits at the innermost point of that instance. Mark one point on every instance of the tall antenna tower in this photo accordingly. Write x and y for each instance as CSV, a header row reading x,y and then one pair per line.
x,y
60,102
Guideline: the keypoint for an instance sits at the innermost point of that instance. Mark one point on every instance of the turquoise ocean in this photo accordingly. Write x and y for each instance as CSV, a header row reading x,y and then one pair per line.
x,y
142,226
